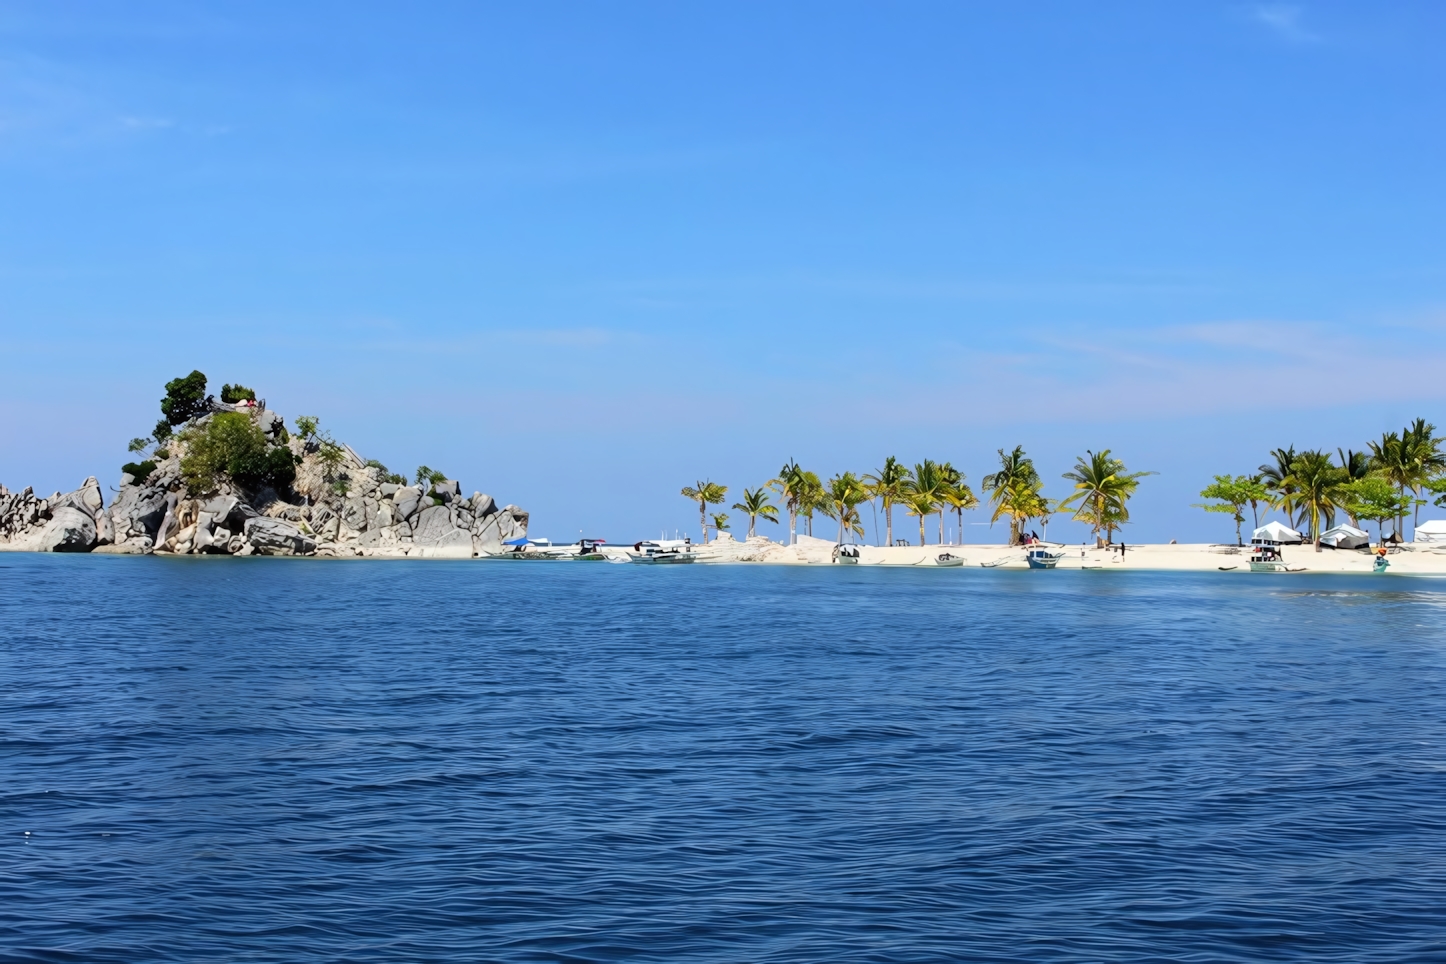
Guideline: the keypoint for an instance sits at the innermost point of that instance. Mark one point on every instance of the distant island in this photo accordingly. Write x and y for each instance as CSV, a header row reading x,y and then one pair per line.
x,y
228,477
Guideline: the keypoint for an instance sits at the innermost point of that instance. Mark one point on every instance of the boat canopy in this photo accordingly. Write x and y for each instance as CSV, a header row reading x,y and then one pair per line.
x,y
1276,534
1432,530
1345,537
515,542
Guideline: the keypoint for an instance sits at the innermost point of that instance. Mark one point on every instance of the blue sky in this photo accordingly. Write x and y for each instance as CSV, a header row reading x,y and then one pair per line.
x,y
580,255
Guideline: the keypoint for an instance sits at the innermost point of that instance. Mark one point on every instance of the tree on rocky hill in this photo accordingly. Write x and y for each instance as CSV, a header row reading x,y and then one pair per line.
x,y
185,399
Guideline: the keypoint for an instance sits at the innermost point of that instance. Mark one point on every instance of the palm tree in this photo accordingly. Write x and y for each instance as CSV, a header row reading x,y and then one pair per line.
x,y
888,486
1014,490
755,503
928,484
1357,466
705,494
720,522
921,504
789,485
1389,458
958,496
1259,495
1102,488
1274,477
811,498
1318,488
845,494
1423,451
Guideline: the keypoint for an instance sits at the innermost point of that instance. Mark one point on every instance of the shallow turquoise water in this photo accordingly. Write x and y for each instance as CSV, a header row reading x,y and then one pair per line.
x,y
281,760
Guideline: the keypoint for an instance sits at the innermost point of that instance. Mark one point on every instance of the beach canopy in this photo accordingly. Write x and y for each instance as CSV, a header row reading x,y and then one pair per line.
x,y
1276,534
1344,537
1433,530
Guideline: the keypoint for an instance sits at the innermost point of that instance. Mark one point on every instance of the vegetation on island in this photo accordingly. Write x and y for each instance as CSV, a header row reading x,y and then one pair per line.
x,y
927,491
1387,482
224,443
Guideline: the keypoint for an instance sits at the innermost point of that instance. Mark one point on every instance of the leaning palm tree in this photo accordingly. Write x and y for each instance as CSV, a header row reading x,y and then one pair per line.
x,y
705,494
755,503
1102,490
1318,489
1010,488
888,485
789,485
845,493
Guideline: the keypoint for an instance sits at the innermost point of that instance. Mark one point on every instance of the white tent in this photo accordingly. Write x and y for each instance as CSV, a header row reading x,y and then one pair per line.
x,y
1433,530
1276,534
1344,537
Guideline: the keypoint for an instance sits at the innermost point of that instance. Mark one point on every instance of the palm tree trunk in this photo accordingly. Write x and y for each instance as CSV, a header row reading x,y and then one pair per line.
x,y
703,520
960,535
792,526
922,540
889,520
875,506
941,525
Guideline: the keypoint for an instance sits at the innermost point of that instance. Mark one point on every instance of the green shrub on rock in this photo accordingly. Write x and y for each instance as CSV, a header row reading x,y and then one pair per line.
x,y
231,446
231,394
140,471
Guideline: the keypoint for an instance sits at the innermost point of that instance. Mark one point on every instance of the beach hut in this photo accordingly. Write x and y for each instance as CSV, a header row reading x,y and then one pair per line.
x,y
1344,537
1433,530
1276,534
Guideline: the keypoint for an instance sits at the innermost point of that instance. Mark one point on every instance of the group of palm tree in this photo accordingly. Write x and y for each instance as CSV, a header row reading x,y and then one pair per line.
x,y
1102,490
1387,481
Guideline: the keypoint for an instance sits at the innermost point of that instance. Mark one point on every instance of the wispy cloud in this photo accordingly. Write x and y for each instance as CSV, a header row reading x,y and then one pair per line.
x,y
145,123
1285,20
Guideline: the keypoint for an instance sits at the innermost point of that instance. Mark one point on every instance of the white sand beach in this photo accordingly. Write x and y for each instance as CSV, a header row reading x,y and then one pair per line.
x,y
1418,559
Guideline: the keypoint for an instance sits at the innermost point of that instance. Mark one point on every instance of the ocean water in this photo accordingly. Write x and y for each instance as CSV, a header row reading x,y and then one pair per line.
x,y
290,760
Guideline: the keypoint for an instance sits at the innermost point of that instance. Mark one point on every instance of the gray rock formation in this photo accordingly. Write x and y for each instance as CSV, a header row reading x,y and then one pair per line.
x,y
69,530
333,508
273,537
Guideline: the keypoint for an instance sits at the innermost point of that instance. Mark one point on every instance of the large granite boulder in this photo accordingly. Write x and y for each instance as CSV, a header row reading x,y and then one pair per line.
x,y
434,527
69,530
273,537
406,501
491,531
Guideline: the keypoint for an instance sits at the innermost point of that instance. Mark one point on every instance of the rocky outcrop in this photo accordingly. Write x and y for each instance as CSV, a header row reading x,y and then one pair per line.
x,y
333,508
274,537
69,530
70,522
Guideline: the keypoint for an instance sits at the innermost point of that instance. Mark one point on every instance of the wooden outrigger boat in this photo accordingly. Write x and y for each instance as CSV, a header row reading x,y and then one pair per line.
x,y
670,553
1042,558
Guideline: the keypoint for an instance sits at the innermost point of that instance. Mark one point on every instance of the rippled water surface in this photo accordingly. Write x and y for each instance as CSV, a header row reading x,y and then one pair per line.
x,y
283,760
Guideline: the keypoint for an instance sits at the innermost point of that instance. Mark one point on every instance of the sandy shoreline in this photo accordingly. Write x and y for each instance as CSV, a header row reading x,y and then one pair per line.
x,y
1411,559
1407,560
